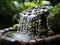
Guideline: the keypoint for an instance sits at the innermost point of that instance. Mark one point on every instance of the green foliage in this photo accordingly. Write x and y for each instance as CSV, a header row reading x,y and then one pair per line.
x,y
8,11
56,9
55,17
39,2
50,31
15,26
29,4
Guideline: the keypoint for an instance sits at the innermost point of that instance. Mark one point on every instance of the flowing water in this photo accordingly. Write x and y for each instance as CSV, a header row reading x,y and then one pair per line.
x,y
25,23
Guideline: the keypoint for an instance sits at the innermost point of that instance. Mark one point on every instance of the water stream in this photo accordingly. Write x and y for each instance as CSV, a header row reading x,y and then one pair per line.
x,y
25,23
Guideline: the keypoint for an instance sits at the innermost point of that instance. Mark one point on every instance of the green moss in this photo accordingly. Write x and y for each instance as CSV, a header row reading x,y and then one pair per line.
x,y
15,26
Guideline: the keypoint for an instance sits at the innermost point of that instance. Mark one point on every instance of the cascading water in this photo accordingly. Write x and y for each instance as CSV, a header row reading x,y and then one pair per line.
x,y
26,24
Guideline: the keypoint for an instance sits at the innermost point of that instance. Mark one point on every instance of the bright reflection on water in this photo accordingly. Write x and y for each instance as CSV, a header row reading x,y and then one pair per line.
x,y
18,35
21,36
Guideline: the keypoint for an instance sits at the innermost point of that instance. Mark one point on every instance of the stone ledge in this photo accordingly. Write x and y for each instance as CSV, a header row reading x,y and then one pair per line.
x,y
51,40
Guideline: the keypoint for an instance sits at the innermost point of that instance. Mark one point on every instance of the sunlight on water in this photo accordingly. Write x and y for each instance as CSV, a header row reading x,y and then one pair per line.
x,y
21,36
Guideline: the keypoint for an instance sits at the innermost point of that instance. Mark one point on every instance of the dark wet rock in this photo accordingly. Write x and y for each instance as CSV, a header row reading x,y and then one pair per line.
x,y
24,42
43,36
57,39
5,30
43,30
40,41
1,32
32,42
8,29
11,29
50,40
4,41
8,38
16,43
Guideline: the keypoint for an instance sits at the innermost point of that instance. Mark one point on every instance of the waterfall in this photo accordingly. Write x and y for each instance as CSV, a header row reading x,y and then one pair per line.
x,y
28,16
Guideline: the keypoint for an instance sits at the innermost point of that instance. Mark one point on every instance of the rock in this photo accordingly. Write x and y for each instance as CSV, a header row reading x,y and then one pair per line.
x,y
24,42
32,42
4,41
50,40
11,29
57,39
8,29
40,41
16,43
1,32
5,30
7,38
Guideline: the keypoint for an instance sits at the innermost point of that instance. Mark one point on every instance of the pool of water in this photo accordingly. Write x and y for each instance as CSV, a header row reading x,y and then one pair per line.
x,y
18,35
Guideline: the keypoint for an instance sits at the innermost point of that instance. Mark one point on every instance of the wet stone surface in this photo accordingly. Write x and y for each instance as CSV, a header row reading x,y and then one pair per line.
x,y
51,40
